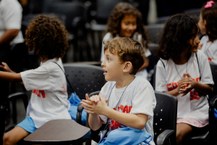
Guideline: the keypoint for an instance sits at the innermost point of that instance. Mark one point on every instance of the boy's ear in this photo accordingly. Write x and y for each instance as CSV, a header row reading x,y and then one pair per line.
x,y
127,66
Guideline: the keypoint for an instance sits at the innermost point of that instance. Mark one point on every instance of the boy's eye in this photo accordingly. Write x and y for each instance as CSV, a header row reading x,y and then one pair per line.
x,y
108,59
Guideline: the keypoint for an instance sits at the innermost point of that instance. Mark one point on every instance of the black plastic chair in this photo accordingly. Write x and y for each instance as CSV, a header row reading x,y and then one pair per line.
x,y
154,32
103,10
165,116
214,75
74,16
84,78
14,102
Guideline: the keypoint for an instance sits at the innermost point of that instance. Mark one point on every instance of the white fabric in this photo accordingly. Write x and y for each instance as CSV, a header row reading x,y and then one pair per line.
x,y
137,97
192,108
11,18
209,48
49,92
138,37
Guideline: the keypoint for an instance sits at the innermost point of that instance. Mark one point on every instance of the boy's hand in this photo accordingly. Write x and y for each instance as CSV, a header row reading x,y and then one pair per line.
x,y
95,104
88,104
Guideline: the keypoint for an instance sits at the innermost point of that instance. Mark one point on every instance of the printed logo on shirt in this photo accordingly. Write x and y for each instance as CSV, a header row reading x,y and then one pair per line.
x,y
210,59
194,95
39,93
125,109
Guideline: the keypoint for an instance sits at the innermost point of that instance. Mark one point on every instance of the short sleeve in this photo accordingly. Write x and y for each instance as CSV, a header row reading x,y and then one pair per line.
x,y
12,14
36,79
144,100
160,76
205,70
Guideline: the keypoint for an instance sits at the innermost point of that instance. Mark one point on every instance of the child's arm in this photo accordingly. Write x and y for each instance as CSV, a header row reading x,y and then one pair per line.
x,y
9,74
132,120
203,89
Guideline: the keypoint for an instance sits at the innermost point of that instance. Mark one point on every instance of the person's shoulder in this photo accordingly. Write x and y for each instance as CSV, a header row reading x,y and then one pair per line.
x,y
137,36
108,36
204,38
201,56
162,62
200,53
143,82
12,2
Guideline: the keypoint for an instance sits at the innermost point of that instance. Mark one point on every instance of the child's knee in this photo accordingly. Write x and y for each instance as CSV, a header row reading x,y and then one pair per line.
x,y
179,137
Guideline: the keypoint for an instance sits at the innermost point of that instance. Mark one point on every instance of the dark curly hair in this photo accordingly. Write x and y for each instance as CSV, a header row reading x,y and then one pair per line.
x,y
128,50
47,37
178,31
209,14
120,10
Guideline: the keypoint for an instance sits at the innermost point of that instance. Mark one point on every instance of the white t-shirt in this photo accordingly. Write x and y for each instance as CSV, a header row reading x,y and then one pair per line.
x,y
138,37
192,108
137,97
209,48
11,18
49,92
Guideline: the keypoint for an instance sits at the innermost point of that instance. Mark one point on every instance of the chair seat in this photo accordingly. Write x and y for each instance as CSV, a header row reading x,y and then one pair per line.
x,y
58,131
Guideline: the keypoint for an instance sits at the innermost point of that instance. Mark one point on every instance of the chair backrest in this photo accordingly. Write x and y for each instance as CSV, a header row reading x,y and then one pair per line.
x,y
165,114
104,8
154,32
84,78
214,75
70,10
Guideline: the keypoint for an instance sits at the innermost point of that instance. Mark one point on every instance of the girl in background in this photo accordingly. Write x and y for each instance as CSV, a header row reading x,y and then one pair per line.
x,y
126,21
207,24
184,72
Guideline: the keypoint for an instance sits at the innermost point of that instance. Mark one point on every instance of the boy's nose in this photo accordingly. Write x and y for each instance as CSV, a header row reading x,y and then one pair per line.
x,y
102,63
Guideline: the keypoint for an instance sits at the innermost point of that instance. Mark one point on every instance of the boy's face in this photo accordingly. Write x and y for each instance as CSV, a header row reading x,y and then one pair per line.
x,y
112,66
202,25
128,26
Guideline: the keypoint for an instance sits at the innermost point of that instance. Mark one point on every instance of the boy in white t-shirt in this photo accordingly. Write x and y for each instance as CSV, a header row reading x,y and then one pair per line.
x,y
125,102
47,36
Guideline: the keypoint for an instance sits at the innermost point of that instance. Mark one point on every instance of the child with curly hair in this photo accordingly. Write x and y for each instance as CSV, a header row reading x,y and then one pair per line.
x,y
126,21
184,72
47,37
126,102
207,24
